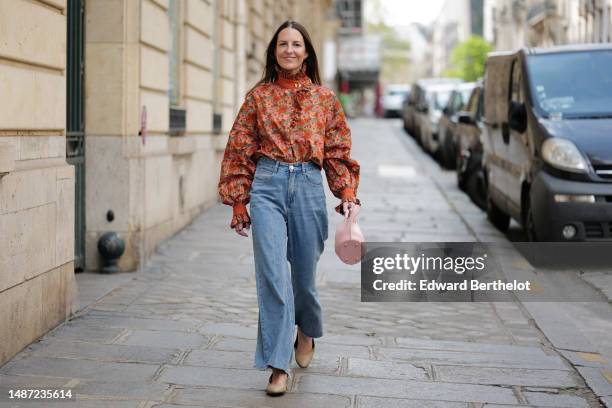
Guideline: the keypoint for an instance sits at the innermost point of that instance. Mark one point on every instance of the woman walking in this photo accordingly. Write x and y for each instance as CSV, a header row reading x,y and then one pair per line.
x,y
288,128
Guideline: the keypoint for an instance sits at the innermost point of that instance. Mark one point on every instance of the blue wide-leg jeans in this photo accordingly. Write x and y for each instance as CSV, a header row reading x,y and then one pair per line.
x,y
289,225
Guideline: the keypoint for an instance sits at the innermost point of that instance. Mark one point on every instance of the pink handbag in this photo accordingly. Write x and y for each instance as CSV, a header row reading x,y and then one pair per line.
x,y
349,238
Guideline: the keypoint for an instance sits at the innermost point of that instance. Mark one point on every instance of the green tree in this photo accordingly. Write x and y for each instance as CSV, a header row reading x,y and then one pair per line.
x,y
469,58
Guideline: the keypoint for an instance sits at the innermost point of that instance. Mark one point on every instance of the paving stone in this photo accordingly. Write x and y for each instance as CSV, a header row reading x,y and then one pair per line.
x,y
600,280
20,381
138,323
215,377
77,331
377,402
357,367
597,381
473,359
80,403
404,389
245,360
554,322
585,359
234,344
222,397
107,352
506,406
329,365
323,350
332,351
166,339
351,340
220,358
467,346
505,376
555,400
230,330
87,369
124,389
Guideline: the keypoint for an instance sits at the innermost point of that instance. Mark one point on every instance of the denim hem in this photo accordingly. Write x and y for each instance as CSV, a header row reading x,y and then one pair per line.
x,y
270,366
316,334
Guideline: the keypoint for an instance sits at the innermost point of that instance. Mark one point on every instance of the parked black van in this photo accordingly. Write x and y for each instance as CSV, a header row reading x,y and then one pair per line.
x,y
548,141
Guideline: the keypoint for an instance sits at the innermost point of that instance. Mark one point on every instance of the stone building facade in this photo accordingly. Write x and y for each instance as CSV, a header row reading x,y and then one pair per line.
x,y
37,284
456,22
162,81
511,24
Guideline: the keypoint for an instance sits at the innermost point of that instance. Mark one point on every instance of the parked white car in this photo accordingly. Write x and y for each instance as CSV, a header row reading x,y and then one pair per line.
x,y
392,99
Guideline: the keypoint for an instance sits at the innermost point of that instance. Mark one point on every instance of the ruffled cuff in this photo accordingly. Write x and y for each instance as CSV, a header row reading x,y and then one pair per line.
x,y
350,198
241,215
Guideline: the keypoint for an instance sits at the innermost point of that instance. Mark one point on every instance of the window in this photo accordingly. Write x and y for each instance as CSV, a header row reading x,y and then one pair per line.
x,y
456,103
582,88
516,94
174,83
480,110
472,105
178,117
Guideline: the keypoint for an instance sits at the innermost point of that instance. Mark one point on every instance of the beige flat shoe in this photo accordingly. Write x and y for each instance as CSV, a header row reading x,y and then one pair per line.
x,y
277,389
303,359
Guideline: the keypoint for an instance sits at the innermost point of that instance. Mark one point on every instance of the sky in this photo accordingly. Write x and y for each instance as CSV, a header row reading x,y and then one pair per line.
x,y
404,12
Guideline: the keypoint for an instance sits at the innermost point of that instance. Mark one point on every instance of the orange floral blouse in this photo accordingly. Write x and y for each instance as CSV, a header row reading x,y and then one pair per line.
x,y
290,120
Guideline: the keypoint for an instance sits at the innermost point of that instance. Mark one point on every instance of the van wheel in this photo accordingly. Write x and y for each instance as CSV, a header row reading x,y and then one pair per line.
x,y
460,173
497,216
447,151
475,188
529,225
461,182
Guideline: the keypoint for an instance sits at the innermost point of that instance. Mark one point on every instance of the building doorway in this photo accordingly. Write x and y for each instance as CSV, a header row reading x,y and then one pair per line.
x,y
75,120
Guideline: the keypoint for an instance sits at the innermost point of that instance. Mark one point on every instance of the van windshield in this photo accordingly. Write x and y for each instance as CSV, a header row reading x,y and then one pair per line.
x,y
573,84
439,99
397,92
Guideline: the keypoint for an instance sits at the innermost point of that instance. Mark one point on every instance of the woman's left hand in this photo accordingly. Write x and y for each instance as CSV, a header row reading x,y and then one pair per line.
x,y
348,206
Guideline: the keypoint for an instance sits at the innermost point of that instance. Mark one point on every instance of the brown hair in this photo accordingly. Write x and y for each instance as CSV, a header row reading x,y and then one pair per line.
x,y
312,65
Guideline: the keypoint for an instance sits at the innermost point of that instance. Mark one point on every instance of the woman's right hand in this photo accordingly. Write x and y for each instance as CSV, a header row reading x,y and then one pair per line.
x,y
241,222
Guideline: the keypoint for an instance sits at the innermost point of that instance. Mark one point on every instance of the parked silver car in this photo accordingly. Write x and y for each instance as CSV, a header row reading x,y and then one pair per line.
x,y
430,112
413,107
449,123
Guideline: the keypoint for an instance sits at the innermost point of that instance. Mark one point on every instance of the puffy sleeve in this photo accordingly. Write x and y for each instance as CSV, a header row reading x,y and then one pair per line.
x,y
341,171
238,165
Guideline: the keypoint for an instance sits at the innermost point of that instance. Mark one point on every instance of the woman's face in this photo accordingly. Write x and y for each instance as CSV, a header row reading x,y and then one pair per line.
x,y
290,50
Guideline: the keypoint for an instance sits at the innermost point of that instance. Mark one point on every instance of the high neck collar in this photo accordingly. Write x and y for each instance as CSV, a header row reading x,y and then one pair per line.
x,y
288,80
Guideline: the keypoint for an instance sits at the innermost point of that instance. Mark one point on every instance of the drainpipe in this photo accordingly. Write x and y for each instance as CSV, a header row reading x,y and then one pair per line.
x,y
216,70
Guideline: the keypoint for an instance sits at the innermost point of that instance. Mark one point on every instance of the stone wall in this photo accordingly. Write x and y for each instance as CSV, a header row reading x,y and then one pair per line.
x,y
37,285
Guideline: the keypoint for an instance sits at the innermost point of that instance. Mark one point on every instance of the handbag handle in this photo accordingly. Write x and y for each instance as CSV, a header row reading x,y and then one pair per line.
x,y
352,217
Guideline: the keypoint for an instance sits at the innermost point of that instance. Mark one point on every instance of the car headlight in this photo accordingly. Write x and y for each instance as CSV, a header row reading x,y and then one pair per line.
x,y
564,155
